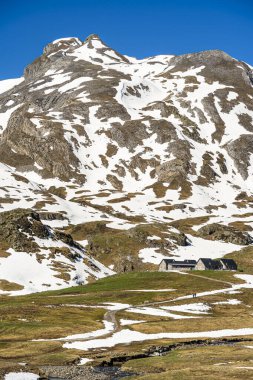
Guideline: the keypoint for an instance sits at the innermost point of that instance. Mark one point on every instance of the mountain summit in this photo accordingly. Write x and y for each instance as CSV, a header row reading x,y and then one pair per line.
x,y
128,157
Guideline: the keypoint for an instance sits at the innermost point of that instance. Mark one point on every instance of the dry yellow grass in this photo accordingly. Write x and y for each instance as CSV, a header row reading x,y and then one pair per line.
x,y
209,363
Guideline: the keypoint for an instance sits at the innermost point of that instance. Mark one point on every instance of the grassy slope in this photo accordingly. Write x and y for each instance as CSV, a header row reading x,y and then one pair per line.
x,y
244,259
222,362
47,315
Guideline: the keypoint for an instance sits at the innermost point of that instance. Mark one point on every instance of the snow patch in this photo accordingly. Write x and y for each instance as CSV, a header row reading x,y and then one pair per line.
x,y
7,84
21,376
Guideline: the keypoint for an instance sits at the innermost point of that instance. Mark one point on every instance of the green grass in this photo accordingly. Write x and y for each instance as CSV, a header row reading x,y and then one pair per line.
x,y
244,259
116,288
195,363
49,314
35,321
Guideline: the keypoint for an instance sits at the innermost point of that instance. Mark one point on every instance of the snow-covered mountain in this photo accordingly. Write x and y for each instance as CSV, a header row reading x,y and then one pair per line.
x,y
130,156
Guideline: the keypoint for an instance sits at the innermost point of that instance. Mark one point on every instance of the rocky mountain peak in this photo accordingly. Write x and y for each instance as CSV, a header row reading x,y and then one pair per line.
x,y
62,44
93,37
95,136
93,41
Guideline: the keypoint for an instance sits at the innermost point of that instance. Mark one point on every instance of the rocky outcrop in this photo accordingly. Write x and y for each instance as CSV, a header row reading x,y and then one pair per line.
x,y
241,150
19,226
227,234
142,234
174,170
24,146
215,64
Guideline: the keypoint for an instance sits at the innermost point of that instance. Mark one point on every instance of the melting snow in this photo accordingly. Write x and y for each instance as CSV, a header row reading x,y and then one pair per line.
x,y
204,248
7,84
125,322
228,302
157,312
193,308
84,361
5,116
21,376
127,336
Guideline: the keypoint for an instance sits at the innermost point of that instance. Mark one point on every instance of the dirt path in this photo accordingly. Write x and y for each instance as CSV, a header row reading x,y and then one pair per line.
x,y
211,279
111,315
189,296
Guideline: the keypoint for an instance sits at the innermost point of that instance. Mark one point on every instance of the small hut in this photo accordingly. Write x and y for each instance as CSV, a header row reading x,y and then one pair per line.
x,y
170,264
228,264
209,264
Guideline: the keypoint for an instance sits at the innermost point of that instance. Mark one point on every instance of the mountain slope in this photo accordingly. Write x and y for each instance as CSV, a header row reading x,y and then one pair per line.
x,y
133,154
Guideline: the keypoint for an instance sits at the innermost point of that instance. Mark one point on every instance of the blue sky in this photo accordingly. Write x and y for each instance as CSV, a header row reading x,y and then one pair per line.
x,y
137,28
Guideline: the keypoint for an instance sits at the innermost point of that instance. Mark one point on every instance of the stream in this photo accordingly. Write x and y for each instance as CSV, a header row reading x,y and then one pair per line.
x,y
111,369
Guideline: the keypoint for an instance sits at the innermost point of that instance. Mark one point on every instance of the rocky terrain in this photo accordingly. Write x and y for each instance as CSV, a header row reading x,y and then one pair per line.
x,y
109,163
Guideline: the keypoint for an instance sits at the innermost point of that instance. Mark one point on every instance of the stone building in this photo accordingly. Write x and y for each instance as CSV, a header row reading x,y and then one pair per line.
x,y
209,264
201,264
170,264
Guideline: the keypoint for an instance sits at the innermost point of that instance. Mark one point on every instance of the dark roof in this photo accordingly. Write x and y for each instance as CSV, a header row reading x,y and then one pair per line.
x,y
229,263
183,264
168,261
211,264
180,263
190,261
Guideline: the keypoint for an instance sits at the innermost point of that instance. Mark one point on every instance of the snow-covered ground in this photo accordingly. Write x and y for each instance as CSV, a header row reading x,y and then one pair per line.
x,y
126,322
127,336
21,376
193,308
7,84
25,269
157,312
198,247
84,361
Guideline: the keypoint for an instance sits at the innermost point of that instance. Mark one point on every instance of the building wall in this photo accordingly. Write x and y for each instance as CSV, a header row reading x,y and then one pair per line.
x,y
182,269
200,266
162,267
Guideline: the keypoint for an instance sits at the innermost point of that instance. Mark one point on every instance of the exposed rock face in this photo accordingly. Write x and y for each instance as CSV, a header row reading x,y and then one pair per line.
x,y
241,151
228,234
22,233
173,170
142,234
74,82
32,148
93,135
18,227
